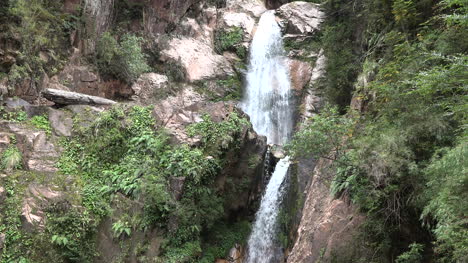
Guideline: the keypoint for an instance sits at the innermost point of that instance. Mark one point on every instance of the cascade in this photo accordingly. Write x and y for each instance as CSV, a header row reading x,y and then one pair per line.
x,y
268,102
268,95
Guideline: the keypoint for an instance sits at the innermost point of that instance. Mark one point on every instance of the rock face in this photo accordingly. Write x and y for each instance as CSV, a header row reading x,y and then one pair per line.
x,y
39,154
163,15
299,19
312,99
300,73
32,215
328,226
197,60
149,87
176,112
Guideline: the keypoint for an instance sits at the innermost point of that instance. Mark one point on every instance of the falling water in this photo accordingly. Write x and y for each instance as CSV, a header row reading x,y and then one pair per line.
x,y
268,96
268,102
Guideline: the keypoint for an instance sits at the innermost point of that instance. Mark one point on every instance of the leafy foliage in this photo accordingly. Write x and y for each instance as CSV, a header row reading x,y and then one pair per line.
x,y
41,122
231,40
11,158
41,26
400,157
124,59
16,115
411,256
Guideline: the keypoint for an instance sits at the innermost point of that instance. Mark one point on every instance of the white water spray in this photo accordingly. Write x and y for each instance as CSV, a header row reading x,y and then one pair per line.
x,y
268,102
268,93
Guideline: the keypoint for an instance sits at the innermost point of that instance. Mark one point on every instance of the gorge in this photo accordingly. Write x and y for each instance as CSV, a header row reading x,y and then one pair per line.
x,y
233,131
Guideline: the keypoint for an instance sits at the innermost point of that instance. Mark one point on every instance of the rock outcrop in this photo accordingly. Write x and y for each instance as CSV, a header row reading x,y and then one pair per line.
x,y
150,87
299,19
197,60
328,226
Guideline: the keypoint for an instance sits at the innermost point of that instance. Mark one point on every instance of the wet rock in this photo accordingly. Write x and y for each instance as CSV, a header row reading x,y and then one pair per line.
x,y
150,87
235,254
299,19
197,60
277,152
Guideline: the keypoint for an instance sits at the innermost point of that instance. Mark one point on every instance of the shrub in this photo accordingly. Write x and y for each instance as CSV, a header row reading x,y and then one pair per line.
x,y
124,60
230,40
411,256
41,122
12,158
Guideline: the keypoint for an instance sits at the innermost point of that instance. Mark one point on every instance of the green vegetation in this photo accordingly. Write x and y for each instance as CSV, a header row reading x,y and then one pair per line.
x,y
398,159
41,122
231,40
42,29
11,158
122,59
16,115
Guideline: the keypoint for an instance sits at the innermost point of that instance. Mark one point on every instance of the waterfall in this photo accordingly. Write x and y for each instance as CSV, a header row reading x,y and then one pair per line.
x,y
268,96
268,102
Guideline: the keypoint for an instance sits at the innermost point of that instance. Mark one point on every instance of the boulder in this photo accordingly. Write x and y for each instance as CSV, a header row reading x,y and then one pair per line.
x,y
253,7
197,60
15,103
60,122
5,139
299,19
246,22
150,87
235,254
201,26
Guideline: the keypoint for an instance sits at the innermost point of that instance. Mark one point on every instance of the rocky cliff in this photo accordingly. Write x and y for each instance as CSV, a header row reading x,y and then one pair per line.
x,y
121,141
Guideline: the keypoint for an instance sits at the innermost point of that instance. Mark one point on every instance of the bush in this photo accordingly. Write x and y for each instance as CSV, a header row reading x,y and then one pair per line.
x,y
11,158
124,60
41,122
411,256
231,40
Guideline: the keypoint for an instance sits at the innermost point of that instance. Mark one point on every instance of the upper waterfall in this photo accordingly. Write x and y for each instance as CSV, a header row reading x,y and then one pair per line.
x,y
268,97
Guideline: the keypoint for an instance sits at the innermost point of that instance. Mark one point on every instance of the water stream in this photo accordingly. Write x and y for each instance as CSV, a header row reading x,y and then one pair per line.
x,y
268,102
